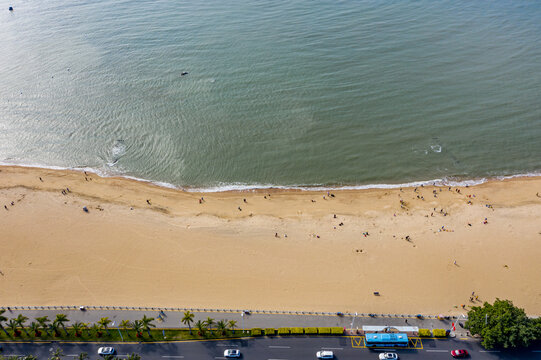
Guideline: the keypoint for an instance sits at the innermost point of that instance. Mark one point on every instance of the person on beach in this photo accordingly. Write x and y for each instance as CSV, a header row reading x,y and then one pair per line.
x,y
148,202
40,179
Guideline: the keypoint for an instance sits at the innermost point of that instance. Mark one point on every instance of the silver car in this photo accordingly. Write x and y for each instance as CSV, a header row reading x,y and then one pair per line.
x,y
106,351
232,353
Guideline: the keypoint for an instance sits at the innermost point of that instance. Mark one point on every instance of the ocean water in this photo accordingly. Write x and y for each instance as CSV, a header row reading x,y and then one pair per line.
x,y
282,93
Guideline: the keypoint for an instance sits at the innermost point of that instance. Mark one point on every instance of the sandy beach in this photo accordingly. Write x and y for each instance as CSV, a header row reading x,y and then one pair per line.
x,y
424,250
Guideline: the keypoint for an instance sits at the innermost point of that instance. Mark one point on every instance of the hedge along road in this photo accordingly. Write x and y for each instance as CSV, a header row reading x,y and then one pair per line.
x,y
172,319
283,348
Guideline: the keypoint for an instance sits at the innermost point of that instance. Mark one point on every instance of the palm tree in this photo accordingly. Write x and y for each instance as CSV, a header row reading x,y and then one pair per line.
x,y
147,324
124,325
12,324
188,319
77,328
56,355
104,323
137,326
2,319
34,326
96,329
134,356
54,328
42,321
60,320
209,322
222,326
82,356
200,325
232,325
20,320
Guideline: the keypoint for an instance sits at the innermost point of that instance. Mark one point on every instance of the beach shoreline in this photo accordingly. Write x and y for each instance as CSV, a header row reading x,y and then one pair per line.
x,y
140,244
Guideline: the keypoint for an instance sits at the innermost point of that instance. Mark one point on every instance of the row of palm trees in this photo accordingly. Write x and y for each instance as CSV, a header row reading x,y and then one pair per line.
x,y
206,325
55,326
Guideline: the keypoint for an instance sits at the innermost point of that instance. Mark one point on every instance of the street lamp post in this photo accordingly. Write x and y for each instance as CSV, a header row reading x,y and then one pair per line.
x,y
242,316
352,321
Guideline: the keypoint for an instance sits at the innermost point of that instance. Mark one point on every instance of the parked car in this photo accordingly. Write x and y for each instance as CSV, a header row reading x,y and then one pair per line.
x,y
232,353
388,355
460,353
325,354
106,351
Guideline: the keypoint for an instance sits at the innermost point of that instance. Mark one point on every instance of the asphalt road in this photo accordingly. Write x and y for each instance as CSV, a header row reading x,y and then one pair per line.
x,y
277,348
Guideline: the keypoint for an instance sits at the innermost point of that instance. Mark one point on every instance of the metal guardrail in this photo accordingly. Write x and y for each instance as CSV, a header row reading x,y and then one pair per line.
x,y
178,309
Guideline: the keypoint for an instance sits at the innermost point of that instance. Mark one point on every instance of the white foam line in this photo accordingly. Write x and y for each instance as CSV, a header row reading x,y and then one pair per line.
x,y
251,187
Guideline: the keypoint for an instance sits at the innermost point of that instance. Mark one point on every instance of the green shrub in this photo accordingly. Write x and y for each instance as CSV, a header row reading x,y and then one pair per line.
x,y
270,331
297,331
283,331
425,333
256,331
324,330
310,330
337,330
439,333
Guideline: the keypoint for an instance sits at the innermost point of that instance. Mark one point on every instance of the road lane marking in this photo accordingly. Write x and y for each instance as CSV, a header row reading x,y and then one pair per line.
x,y
230,345
437,350
219,357
276,359
536,350
331,348
279,347
173,356
489,351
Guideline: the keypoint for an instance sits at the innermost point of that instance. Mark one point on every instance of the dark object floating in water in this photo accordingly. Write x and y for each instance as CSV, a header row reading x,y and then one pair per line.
x,y
183,73
10,8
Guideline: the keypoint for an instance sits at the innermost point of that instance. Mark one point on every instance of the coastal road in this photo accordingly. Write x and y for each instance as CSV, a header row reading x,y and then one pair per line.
x,y
277,348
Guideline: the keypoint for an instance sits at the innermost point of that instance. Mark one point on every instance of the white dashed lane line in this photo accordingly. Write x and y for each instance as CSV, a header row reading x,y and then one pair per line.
x,y
279,347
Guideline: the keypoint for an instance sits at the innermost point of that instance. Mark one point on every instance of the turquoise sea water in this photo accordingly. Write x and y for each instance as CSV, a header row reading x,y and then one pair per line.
x,y
280,93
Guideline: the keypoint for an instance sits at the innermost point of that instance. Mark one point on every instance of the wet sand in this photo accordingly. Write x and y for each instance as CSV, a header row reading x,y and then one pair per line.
x,y
283,252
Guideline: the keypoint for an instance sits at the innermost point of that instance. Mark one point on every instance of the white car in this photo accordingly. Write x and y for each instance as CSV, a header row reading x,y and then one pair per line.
x,y
106,350
388,355
325,354
232,353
